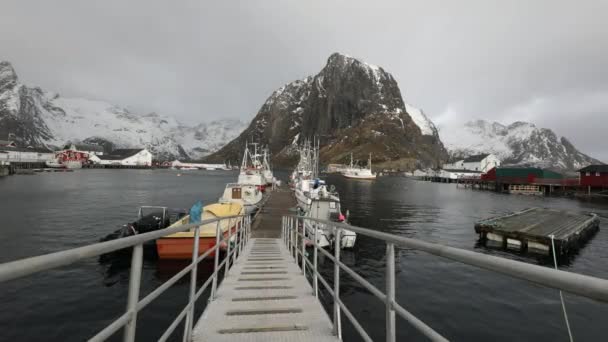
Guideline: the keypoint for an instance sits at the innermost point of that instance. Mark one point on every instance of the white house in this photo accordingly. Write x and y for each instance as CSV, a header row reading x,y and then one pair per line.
x,y
125,157
480,163
26,154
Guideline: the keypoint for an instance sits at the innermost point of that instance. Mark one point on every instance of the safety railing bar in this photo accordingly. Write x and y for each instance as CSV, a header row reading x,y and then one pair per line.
x,y
326,284
162,288
371,288
354,322
327,254
174,324
585,286
418,324
24,267
221,264
309,263
197,296
205,285
112,328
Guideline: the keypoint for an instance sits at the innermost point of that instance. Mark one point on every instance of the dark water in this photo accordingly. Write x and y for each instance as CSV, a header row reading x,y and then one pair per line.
x,y
52,212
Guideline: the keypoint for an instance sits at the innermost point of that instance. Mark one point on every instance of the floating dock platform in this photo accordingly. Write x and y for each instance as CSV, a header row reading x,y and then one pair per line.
x,y
532,229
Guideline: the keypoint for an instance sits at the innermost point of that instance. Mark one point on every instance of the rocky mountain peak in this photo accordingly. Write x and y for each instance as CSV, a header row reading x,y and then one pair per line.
x,y
8,76
351,106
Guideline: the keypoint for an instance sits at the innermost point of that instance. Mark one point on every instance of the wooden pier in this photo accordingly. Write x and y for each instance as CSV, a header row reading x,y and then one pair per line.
x,y
532,230
265,296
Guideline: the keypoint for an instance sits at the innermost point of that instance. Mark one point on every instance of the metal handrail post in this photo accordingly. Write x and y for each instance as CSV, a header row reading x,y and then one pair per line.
x,y
390,292
216,262
290,236
248,235
228,251
337,320
239,236
303,251
190,316
242,237
315,282
295,240
133,297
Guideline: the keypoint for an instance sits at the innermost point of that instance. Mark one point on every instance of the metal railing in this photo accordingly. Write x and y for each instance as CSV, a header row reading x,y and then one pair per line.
x,y
241,234
295,236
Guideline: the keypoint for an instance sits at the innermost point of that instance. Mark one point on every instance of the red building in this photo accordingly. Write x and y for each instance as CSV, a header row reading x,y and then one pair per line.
x,y
594,176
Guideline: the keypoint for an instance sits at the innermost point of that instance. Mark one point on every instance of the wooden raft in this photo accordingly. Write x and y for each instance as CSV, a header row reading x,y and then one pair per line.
x,y
531,230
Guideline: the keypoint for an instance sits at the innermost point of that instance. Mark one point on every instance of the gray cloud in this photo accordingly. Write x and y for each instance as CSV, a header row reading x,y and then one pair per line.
x,y
543,61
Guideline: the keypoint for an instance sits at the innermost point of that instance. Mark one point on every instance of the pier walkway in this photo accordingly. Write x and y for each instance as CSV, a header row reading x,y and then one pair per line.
x,y
268,222
265,297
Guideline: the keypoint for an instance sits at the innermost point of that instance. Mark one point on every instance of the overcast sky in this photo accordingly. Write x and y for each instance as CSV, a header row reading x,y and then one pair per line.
x,y
539,61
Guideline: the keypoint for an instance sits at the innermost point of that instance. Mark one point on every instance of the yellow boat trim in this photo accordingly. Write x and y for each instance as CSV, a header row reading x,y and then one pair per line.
x,y
211,211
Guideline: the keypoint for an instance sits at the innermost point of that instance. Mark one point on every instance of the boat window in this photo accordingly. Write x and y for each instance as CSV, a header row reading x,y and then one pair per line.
x,y
332,205
236,193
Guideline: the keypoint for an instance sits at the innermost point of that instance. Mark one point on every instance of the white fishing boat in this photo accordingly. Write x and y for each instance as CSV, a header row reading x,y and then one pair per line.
x,y
266,170
325,205
316,200
248,195
356,172
251,169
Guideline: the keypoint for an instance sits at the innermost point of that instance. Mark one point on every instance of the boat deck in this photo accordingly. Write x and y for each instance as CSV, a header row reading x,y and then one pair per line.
x,y
264,298
532,229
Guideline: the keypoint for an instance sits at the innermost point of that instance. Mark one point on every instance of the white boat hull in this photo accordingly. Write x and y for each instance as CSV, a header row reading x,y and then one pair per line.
x,y
353,176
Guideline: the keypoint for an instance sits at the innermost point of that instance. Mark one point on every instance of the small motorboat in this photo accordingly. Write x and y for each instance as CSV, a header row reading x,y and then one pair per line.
x,y
149,218
179,246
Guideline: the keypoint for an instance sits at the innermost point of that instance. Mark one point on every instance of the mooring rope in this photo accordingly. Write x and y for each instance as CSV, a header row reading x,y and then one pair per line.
x,y
561,295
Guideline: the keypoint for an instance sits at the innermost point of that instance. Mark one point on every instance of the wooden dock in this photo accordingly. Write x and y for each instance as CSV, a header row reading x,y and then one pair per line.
x,y
265,296
532,229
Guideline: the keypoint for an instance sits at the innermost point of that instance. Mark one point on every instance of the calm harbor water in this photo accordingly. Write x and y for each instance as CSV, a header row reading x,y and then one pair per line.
x,y
51,212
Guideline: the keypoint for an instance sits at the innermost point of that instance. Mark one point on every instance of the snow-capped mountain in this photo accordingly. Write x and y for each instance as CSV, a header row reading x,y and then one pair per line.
x,y
352,106
519,143
39,118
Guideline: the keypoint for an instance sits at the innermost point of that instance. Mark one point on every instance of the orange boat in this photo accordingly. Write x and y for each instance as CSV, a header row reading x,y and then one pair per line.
x,y
178,246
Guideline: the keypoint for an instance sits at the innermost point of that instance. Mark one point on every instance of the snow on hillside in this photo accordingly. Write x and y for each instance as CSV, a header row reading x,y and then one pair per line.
x,y
37,117
421,120
82,119
518,143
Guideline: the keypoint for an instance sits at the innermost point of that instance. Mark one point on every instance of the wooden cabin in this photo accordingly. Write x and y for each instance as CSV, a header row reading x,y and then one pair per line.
x,y
594,176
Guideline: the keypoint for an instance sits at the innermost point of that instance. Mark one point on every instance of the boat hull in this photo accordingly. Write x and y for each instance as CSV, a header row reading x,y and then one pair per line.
x,y
181,248
372,177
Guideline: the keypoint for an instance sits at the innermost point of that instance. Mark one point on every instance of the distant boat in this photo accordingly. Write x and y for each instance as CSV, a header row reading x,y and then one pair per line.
x,y
251,169
356,172
54,164
65,164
